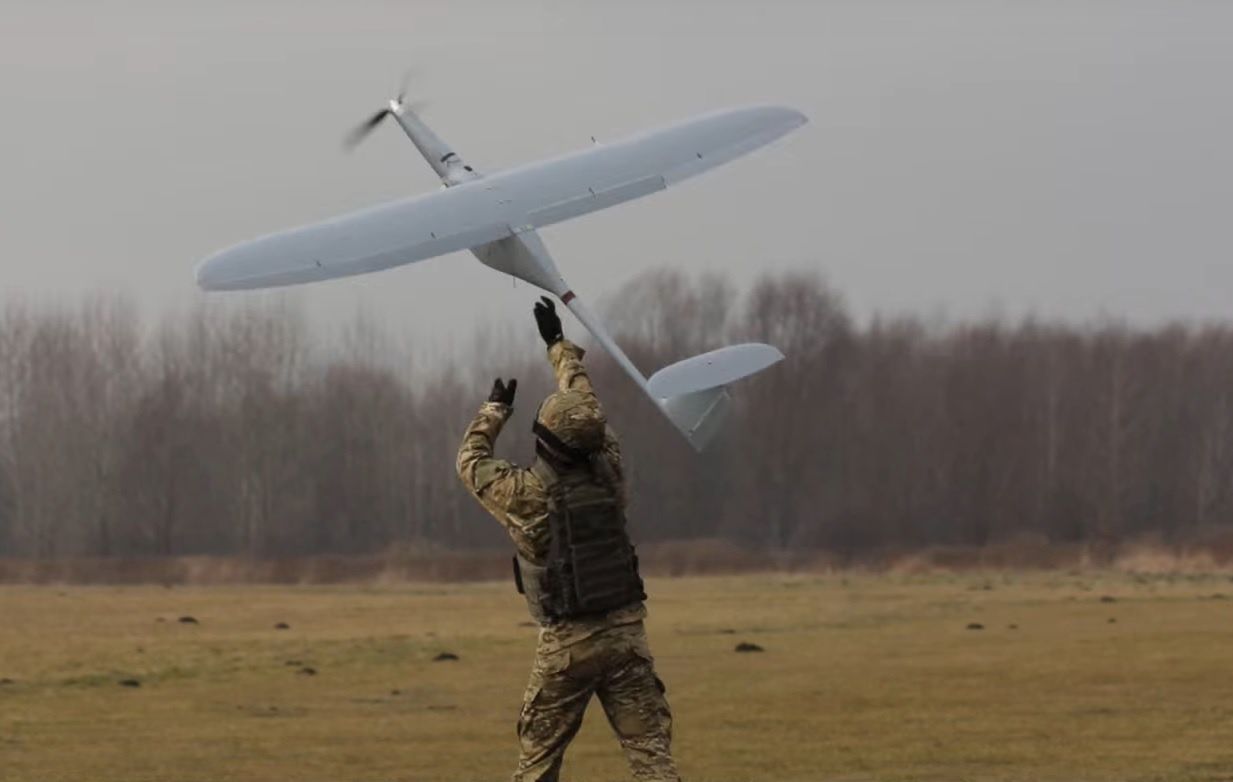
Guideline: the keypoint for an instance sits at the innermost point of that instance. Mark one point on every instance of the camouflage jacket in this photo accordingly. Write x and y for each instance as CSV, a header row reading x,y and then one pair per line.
x,y
516,498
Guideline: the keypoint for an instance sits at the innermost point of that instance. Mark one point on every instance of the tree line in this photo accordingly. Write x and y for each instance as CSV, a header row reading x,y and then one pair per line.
x,y
238,432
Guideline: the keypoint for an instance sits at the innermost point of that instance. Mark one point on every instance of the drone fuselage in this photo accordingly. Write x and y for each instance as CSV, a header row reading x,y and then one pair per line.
x,y
522,254
447,163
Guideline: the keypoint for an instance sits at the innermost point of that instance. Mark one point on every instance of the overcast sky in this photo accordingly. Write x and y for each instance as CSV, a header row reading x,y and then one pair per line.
x,y
1065,158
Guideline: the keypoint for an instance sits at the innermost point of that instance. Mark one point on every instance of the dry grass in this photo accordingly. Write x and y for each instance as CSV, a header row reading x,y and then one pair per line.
x,y
1206,551
863,678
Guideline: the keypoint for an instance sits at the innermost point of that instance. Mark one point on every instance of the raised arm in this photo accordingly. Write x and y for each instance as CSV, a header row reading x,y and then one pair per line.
x,y
566,357
571,375
476,465
499,485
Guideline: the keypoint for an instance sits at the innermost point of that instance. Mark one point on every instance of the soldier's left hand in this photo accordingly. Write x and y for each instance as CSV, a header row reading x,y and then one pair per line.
x,y
503,393
548,321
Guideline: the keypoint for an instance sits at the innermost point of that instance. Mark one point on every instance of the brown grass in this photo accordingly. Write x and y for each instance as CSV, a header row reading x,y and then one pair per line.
x,y
864,677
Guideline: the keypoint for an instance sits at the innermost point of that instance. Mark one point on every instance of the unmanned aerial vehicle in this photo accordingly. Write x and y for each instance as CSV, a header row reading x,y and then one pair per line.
x,y
496,217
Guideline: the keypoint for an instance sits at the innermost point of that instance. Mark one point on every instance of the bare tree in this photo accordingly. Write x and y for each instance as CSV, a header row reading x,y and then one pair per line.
x,y
237,430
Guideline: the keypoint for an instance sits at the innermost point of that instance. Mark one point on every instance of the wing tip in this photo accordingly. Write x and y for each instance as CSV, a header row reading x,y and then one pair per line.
x,y
202,276
791,116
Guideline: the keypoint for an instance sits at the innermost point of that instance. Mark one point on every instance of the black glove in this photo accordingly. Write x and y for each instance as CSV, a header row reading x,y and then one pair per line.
x,y
503,393
548,321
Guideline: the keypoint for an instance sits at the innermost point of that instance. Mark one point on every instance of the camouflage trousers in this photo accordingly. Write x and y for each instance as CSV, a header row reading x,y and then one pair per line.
x,y
616,665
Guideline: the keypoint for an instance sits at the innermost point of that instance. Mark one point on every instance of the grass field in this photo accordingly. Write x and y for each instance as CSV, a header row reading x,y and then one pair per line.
x,y
1073,677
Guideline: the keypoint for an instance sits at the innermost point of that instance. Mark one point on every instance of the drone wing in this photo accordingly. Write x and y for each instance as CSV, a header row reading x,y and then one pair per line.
x,y
484,210
610,174
393,234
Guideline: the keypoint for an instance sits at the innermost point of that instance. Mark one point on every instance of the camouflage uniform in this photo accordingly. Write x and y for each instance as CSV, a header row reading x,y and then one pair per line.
x,y
606,655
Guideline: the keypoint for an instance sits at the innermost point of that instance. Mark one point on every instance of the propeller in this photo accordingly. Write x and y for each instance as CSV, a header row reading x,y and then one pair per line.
x,y
353,139
402,85
361,132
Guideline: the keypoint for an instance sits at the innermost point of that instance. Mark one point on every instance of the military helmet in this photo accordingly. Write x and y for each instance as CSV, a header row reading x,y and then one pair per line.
x,y
574,418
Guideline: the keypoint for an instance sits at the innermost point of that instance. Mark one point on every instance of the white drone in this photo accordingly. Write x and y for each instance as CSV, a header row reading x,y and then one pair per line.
x,y
496,217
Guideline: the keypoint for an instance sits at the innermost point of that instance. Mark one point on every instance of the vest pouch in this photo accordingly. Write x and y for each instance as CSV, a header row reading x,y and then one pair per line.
x,y
605,575
537,584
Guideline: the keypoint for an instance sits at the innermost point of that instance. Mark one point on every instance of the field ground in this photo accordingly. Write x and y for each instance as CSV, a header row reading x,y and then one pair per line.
x,y
1074,676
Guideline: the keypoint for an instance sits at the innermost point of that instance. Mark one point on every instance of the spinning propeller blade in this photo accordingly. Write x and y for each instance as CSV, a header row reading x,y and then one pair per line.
x,y
399,104
403,85
360,133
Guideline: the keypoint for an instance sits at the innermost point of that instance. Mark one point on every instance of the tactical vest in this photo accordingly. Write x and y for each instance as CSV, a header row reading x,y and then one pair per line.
x,y
591,567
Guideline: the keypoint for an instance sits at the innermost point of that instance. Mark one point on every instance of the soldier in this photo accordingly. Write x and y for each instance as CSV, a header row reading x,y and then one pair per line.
x,y
576,568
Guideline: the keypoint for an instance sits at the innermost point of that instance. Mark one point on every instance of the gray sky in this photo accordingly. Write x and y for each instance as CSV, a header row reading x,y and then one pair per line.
x,y
1064,158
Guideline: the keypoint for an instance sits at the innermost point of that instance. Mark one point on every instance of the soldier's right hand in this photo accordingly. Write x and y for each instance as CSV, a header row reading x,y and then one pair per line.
x,y
502,393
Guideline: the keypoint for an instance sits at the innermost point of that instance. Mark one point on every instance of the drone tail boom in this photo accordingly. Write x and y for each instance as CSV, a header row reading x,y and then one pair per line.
x,y
693,393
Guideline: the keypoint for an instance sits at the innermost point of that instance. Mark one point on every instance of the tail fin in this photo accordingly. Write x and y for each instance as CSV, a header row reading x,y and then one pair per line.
x,y
694,393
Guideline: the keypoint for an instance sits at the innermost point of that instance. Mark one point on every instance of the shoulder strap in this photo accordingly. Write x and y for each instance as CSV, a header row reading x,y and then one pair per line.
x,y
557,523
545,472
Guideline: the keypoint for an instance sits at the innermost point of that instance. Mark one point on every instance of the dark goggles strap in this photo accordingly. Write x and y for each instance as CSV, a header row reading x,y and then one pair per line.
x,y
553,442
